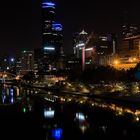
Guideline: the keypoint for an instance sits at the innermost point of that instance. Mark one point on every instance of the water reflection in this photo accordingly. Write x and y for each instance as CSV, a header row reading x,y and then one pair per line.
x,y
70,116
9,94
49,112
90,118
118,109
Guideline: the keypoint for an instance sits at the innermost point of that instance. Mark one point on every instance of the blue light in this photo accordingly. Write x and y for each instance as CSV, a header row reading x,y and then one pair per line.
x,y
48,7
3,98
57,133
11,92
12,100
48,3
57,27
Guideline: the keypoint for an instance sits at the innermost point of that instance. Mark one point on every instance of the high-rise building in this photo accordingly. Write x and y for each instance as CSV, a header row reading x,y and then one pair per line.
x,y
100,49
94,48
128,29
80,41
27,61
48,55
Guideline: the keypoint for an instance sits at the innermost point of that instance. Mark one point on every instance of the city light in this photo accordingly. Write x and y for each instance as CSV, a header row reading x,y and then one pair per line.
x,y
80,116
49,113
48,5
12,59
11,92
80,45
7,68
132,59
57,133
49,48
57,27
12,100
88,49
24,110
116,62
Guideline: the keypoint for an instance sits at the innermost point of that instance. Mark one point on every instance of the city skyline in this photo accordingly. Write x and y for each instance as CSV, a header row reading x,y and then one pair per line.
x,y
21,22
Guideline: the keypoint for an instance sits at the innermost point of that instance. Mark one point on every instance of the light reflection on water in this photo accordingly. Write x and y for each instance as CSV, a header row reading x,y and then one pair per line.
x,y
64,114
116,108
9,94
94,117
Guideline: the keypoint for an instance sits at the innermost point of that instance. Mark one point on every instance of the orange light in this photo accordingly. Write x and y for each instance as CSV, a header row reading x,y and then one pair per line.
x,y
116,62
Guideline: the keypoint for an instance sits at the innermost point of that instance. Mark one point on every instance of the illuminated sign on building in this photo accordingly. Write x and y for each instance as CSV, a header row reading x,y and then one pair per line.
x,y
48,5
57,27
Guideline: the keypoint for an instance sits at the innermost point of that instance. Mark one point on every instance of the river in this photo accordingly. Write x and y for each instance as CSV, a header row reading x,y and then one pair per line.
x,y
34,114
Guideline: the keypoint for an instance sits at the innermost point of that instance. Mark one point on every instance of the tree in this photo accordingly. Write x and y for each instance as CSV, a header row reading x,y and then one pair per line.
x,y
29,77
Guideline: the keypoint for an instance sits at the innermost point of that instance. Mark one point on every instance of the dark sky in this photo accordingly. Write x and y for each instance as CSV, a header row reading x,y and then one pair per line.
x,y
20,21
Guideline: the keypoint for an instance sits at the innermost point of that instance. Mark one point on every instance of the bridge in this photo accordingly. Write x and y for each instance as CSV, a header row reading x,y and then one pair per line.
x,y
7,77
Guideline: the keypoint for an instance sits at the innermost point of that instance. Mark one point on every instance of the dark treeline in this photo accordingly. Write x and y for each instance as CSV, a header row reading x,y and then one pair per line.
x,y
97,74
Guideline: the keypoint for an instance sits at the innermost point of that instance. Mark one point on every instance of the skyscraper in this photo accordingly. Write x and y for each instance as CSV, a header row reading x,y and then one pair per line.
x,y
52,38
27,61
128,29
52,31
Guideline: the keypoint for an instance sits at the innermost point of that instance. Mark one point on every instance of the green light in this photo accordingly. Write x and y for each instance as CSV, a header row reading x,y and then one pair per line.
x,y
24,110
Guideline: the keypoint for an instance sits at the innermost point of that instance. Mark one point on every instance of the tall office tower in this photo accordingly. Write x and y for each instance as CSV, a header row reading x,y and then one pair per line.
x,y
79,41
27,61
52,36
128,29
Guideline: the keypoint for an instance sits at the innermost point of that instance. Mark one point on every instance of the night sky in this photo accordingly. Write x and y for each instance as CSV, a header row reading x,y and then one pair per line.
x,y
20,21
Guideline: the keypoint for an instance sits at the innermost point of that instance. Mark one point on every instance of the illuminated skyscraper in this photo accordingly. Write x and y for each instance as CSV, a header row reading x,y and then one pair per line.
x,y
49,54
52,31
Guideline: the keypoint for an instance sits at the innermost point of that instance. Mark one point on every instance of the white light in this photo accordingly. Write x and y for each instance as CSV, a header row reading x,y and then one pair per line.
x,y
7,68
80,116
12,100
48,3
47,33
89,49
80,45
12,59
49,48
49,113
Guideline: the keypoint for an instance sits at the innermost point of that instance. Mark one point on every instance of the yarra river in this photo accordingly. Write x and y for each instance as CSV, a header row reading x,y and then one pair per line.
x,y
42,115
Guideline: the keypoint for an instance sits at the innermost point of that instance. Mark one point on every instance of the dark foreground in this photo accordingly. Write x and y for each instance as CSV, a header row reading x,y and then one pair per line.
x,y
48,117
